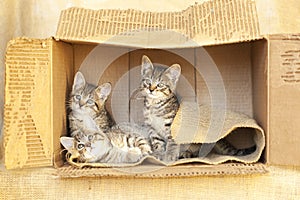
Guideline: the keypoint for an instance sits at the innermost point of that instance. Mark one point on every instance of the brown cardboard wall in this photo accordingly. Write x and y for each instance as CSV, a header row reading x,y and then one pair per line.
x,y
230,62
225,76
284,95
62,74
259,61
225,69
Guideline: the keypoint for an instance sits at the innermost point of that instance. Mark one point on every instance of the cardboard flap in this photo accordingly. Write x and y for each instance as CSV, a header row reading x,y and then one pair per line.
x,y
284,95
27,103
211,22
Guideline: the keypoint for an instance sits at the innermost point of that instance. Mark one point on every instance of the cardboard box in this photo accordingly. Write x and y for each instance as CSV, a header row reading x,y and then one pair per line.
x,y
259,74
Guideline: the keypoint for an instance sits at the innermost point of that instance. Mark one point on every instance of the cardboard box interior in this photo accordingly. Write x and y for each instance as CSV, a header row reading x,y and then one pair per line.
x,y
121,67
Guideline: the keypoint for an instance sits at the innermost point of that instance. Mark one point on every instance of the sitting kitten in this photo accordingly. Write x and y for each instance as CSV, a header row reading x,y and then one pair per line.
x,y
160,107
158,86
86,107
114,146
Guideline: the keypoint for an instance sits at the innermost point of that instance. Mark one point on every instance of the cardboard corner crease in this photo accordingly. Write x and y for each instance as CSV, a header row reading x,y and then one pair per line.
x,y
233,43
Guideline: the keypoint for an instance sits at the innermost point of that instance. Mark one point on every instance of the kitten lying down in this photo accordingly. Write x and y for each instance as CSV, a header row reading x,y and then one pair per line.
x,y
114,146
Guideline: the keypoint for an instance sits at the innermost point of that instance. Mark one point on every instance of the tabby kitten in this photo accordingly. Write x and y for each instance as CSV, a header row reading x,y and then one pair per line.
x,y
114,146
160,107
86,106
223,147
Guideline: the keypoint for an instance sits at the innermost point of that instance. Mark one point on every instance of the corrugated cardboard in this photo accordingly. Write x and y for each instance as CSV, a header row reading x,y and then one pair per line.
x,y
35,120
284,94
28,103
211,22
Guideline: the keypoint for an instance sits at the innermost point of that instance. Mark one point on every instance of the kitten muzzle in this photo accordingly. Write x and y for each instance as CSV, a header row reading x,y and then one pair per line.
x,y
152,88
81,104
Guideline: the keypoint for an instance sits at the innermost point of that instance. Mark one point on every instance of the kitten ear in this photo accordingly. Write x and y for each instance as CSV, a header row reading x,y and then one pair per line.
x,y
147,66
173,73
79,81
103,90
67,142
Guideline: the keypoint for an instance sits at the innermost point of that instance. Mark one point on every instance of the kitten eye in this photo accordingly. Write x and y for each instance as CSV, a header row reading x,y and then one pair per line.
x,y
77,97
147,82
90,137
80,146
90,101
160,85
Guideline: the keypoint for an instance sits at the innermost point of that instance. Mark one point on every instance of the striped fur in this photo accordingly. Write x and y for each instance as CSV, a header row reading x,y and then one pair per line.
x,y
114,146
223,147
86,107
160,107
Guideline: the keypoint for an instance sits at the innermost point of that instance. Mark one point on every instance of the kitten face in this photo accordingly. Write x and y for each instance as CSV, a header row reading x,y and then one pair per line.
x,y
159,82
86,98
86,148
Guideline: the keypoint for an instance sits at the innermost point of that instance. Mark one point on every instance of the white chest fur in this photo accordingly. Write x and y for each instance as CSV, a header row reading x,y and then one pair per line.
x,y
87,122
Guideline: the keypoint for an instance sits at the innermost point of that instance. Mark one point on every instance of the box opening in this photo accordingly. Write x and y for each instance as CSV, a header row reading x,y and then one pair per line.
x,y
239,70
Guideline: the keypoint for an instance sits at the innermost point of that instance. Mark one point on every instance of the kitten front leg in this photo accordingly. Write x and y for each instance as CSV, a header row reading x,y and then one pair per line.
x,y
75,125
158,145
164,149
157,141
146,150
172,151
189,150
172,148
134,155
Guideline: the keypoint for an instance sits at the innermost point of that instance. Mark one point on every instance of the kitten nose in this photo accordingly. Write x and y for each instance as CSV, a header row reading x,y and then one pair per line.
x,y
81,103
88,144
152,88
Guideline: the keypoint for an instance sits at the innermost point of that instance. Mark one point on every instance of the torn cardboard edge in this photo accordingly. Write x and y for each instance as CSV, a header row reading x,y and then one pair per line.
x,y
200,131
207,23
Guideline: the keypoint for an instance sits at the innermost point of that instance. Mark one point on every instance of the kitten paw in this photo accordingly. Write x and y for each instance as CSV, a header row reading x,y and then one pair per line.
x,y
160,156
146,150
186,154
172,151
158,147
